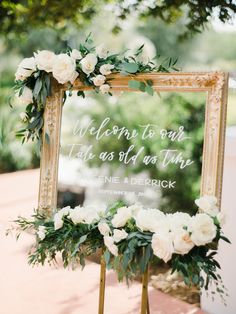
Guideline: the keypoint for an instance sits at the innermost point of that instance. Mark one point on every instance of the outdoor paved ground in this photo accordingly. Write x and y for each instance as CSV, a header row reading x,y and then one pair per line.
x,y
44,290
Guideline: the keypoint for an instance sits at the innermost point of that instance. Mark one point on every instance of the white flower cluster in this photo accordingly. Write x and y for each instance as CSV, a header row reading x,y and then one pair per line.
x,y
109,238
85,215
174,233
63,68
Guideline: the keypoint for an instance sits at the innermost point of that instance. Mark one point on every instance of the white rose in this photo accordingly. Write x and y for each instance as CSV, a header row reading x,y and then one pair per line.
x,y
104,88
77,215
44,60
119,235
179,220
27,96
58,221
149,219
162,246
135,209
65,211
64,69
121,217
109,243
88,63
203,229
182,241
99,80
113,249
105,69
76,54
208,204
102,51
103,228
25,69
221,218
41,232
90,215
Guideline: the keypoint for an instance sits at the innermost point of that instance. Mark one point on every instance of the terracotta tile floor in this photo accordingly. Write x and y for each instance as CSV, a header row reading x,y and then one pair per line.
x,y
44,290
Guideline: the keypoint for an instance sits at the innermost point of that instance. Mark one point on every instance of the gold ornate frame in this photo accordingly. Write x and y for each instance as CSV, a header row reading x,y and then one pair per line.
x,y
215,84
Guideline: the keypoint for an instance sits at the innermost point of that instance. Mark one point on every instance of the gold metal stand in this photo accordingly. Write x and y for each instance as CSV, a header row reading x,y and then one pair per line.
x,y
102,286
145,302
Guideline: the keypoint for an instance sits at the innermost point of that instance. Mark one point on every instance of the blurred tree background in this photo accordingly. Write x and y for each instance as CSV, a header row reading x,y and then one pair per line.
x,y
192,30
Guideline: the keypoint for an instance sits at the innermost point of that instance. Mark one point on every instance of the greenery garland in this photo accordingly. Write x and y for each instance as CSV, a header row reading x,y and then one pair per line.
x,y
131,239
90,64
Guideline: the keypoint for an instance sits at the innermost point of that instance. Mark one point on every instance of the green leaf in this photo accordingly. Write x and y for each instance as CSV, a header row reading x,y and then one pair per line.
x,y
82,239
195,279
149,82
142,87
81,93
47,138
134,84
107,256
125,261
130,67
48,84
37,87
149,90
225,239
33,124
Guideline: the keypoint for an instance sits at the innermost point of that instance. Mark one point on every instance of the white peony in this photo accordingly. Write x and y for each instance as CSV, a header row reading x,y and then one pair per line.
x,y
179,220
135,209
104,228
208,204
76,54
91,215
27,96
162,246
203,229
65,211
105,88
102,51
182,241
44,60
41,232
105,69
221,217
109,243
26,67
99,80
58,221
121,217
87,215
64,69
88,63
119,235
149,219
77,215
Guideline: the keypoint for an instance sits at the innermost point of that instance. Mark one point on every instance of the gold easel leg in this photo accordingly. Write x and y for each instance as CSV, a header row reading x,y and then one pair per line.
x,y
145,303
102,286
148,308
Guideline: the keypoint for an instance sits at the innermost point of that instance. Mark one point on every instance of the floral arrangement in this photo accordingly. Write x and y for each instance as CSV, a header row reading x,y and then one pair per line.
x,y
131,238
90,64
